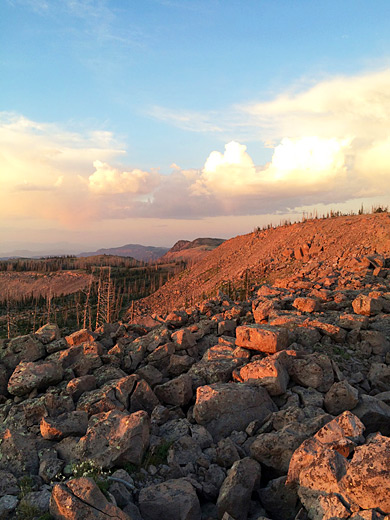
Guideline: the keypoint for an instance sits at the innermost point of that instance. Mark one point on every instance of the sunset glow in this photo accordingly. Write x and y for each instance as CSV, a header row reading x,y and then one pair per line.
x,y
130,122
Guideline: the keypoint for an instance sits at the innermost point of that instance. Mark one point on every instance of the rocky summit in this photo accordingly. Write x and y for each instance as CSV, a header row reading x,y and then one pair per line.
x,y
272,407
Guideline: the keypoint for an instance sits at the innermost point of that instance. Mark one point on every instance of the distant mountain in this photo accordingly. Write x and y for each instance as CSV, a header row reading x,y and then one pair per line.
x,y
26,253
191,251
137,251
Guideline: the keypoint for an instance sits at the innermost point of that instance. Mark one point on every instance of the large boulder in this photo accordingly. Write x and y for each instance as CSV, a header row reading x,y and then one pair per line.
x,y
374,414
366,305
173,499
115,438
341,396
81,499
366,481
267,372
224,407
34,374
312,370
263,338
69,423
177,392
236,491
18,453
22,348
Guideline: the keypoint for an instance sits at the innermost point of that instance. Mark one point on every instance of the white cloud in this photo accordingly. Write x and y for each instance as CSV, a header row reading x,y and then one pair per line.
x,y
107,180
331,143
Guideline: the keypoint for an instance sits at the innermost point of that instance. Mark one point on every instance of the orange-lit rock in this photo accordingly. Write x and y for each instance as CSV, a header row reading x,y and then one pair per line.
x,y
264,338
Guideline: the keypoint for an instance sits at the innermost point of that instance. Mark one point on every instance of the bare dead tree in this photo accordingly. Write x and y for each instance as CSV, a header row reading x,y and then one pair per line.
x,y
86,305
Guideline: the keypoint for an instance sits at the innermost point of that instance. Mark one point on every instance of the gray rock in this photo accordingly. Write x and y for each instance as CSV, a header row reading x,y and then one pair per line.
x,y
174,499
224,407
234,496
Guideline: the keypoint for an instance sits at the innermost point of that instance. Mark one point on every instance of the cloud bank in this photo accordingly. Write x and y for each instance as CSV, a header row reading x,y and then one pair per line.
x,y
331,143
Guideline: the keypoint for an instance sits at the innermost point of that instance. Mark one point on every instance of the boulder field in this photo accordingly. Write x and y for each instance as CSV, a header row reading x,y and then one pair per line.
x,y
277,407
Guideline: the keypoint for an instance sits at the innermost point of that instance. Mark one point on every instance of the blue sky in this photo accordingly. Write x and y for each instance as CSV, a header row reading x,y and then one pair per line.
x,y
125,102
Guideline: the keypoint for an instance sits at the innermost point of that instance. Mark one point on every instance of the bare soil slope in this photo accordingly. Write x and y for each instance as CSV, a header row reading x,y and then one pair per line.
x,y
276,254
24,284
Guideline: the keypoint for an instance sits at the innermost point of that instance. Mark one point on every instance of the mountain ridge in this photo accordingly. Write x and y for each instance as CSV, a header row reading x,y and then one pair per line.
x,y
273,253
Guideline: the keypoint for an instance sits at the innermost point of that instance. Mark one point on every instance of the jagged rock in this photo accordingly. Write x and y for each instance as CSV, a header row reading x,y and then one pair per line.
x,y
50,467
81,499
8,484
366,305
177,392
23,348
39,501
275,449
77,386
115,438
174,499
151,375
213,371
128,393
107,373
377,340
160,357
379,376
336,333
18,452
79,337
184,451
227,453
48,333
366,481
176,319
309,396
8,504
267,372
374,414
179,364
234,496
262,309
82,359
263,338
279,500
183,339
224,407
121,492
69,423
314,370
321,506
34,374
341,396
307,305
353,322
226,327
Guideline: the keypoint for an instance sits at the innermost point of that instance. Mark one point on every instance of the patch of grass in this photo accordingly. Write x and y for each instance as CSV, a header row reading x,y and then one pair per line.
x,y
26,485
341,352
157,455
27,511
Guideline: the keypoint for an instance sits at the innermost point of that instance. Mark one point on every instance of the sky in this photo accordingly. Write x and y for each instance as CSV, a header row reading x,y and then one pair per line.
x,y
150,121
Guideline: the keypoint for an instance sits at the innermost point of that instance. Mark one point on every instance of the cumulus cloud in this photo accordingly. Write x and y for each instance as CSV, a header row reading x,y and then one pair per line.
x,y
107,180
331,143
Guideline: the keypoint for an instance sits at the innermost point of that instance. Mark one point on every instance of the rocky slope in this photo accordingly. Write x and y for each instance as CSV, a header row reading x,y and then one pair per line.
x,y
191,252
277,407
262,256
